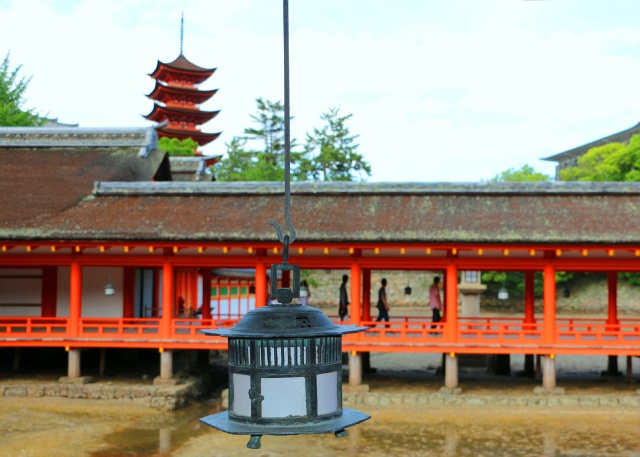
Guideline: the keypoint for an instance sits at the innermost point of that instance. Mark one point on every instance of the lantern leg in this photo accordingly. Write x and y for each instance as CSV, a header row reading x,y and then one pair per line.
x,y
341,433
254,442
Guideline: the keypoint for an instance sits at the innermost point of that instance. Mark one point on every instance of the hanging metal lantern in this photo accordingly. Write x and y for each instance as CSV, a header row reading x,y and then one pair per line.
x,y
503,294
407,290
285,374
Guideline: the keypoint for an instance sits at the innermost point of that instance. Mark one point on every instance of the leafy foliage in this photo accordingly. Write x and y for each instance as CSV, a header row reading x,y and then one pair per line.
x,y
242,164
331,152
12,89
610,162
176,147
526,173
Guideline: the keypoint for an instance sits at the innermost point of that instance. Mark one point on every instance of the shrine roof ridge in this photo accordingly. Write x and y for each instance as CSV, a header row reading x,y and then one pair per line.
x,y
46,137
365,188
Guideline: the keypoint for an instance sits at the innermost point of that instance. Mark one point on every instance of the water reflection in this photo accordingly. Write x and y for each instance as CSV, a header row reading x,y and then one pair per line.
x,y
434,431
30,426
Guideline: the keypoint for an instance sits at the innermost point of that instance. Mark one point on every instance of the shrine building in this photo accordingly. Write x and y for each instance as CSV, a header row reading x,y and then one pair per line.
x,y
100,247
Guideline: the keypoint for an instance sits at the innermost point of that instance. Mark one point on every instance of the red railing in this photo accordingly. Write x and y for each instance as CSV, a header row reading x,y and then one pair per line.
x,y
401,333
33,327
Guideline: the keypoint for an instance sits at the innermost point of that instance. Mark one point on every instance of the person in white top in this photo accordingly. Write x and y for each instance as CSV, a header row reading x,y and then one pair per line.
x,y
304,293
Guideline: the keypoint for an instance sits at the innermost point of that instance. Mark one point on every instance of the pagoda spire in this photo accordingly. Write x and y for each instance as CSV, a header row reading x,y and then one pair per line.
x,y
181,31
177,98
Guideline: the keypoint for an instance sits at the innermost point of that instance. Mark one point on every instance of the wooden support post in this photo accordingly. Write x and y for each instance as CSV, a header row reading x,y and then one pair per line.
x,y
167,298
286,279
166,365
16,359
451,304
549,303
128,292
612,294
356,293
629,368
529,319
206,293
548,372
529,297
355,368
73,370
451,371
75,298
261,285
366,294
103,361
49,291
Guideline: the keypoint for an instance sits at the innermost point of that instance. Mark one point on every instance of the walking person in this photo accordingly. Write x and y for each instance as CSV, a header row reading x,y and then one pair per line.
x,y
304,292
383,304
344,298
434,301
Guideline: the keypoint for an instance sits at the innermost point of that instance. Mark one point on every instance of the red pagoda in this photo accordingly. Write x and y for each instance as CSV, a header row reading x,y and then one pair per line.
x,y
177,100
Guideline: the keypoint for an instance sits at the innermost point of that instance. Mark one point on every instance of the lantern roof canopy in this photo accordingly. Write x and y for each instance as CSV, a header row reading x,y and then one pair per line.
x,y
284,321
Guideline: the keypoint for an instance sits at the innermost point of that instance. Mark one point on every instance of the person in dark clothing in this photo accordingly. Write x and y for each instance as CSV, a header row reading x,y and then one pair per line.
x,y
344,300
383,304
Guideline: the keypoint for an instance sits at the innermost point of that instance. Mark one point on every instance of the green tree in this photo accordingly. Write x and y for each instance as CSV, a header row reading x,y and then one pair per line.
x,y
242,164
264,161
610,162
331,153
526,173
12,89
176,147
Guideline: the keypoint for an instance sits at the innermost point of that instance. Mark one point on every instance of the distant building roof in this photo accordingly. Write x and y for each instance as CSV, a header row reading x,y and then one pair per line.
x,y
620,137
45,171
53,122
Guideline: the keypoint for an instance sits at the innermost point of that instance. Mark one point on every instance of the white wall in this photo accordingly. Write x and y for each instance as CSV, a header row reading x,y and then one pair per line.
x,y
94,302
15,288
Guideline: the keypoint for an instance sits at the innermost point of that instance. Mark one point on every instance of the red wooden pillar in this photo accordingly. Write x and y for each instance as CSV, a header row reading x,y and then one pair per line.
x,y
49,291
549,304
366,294
612,286
356,293
167,298
529,297
206,293
75,298
261,285
451,302
286,279
128,291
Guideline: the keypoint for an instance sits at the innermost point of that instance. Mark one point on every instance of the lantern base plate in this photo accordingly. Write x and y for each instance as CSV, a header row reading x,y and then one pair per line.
x,y
222,422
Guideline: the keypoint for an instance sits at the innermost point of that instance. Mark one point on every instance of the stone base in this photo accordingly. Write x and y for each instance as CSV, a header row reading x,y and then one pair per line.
x,y
448,391
78,380
544,391
355,388
158,381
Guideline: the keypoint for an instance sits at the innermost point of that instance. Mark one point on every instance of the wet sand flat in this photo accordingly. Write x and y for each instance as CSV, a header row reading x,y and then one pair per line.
x,y
71,427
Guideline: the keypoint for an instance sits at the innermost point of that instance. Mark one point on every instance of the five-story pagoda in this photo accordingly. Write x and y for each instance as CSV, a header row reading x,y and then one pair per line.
x,y
178,99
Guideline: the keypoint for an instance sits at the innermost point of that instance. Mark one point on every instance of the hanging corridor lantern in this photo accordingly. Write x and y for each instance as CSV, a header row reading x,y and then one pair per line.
x,y
285,359
285,374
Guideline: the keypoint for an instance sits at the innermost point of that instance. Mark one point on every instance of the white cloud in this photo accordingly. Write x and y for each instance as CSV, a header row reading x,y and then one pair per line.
x,y
456,90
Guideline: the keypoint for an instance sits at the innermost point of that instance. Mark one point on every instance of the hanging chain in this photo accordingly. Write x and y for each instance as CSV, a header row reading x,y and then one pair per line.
x,y
285,295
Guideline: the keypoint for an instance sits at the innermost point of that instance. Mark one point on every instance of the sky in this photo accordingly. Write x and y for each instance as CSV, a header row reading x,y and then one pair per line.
x,y
439,90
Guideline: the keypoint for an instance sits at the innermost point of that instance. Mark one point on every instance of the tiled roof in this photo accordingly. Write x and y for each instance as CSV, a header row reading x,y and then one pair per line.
x,y
354,212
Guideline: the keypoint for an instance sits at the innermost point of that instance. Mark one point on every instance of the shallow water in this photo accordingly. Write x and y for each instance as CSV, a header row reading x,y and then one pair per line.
x,y
62,427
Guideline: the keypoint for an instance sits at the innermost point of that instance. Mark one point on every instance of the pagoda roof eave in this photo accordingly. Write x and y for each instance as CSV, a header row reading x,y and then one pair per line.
x,y
161,89
201,138
160,113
